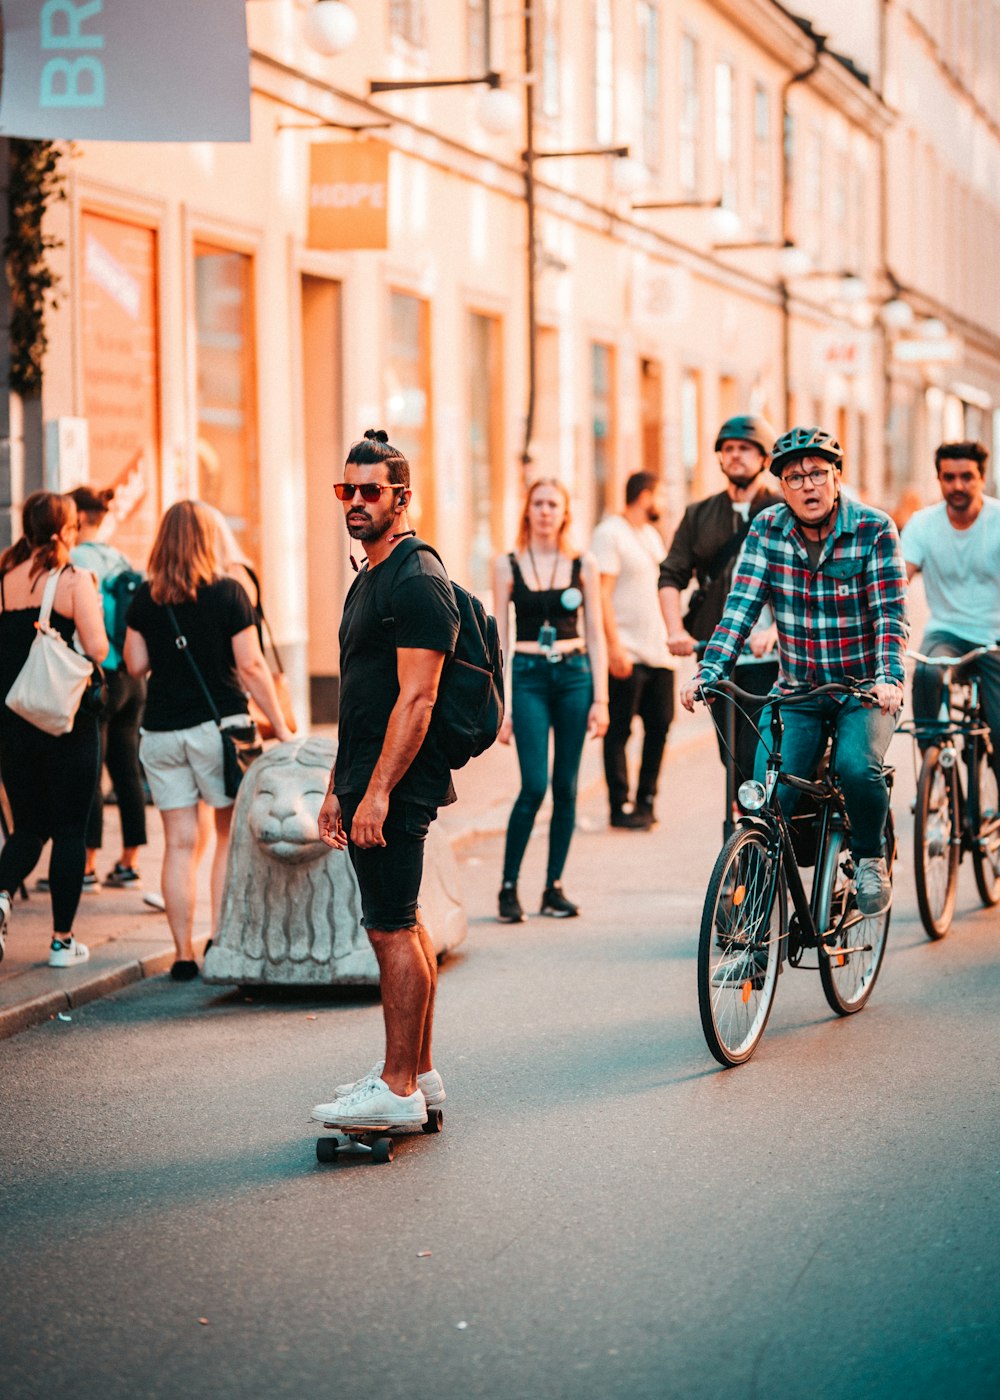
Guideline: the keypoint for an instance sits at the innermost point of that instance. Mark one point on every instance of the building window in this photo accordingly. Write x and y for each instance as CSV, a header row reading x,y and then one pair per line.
x,y
226,448
121,379
485,447
690,115
604,73
725,131
761,157
408,400
690,425
408,20
813,189
602,372
477,38
549,87
649,31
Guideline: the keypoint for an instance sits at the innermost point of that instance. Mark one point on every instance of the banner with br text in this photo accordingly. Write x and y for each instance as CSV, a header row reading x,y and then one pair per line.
x,y
125,70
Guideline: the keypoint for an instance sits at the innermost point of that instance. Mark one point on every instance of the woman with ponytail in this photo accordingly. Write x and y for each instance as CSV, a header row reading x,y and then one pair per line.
x,y
49,780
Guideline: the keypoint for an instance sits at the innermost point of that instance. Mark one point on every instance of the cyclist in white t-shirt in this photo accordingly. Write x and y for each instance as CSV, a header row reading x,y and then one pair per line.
x,y
955,547
629,551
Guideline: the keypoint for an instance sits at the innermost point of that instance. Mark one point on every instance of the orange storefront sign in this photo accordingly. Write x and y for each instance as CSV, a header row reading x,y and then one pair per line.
x,y
348,195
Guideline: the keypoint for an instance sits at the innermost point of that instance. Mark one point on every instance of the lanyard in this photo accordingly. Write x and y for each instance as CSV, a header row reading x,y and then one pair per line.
x,y
538,577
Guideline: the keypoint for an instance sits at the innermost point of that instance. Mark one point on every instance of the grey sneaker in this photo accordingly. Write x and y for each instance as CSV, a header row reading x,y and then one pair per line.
x,y
742,968
430,1084
373,1105
872,886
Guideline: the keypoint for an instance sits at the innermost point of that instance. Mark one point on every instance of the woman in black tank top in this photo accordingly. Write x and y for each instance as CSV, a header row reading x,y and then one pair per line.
x,y
49,779
557,682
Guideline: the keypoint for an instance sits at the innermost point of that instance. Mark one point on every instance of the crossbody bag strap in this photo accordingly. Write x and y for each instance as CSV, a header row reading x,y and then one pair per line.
x,y
722,556
182,645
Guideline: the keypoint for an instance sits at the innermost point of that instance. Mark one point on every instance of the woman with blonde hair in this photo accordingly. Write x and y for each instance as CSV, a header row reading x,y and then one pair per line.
x,y
186,593
49,780
557,682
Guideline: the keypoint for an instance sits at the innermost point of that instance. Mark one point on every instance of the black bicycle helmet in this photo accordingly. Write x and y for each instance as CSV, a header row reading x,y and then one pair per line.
x,y
747,427
805,442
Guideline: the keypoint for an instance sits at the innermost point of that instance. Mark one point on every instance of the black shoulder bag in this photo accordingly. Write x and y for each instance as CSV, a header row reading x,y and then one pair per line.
x,y
718,563
240,742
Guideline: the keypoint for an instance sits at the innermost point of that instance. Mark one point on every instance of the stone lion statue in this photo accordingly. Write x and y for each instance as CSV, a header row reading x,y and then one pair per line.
x,y
291,909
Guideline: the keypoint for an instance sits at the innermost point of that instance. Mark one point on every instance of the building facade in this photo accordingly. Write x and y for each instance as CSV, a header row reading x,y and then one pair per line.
x,y
208,345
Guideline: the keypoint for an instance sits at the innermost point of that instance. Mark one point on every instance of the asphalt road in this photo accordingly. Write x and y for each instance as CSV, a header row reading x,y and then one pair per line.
x,y
607,1213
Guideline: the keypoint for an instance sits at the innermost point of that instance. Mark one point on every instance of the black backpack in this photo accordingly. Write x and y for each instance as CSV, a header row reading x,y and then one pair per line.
x,y
468,711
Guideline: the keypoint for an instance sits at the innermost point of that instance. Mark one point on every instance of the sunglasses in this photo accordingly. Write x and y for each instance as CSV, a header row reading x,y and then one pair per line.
x,y
369,491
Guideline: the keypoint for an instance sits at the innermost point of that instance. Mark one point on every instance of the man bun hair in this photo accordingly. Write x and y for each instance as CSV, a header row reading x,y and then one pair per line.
x,y
962,452
374,448
90,501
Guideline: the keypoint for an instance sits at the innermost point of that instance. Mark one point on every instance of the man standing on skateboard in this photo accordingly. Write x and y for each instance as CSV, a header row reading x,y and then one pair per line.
x,y
389,777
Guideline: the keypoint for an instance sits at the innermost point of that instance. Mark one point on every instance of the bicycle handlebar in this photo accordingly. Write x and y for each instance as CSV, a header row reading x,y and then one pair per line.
x,y
829,688
946,663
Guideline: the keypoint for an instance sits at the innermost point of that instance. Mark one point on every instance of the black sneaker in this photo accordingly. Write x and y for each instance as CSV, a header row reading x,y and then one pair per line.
x,y
629,821
121,876
184,970
645,811
556,905
509,909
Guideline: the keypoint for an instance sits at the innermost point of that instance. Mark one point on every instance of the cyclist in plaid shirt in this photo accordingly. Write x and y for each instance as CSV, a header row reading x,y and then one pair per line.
x,y
834,576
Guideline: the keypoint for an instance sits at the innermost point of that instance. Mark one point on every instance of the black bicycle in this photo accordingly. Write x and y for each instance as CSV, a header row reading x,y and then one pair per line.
x,y
950,818
747,933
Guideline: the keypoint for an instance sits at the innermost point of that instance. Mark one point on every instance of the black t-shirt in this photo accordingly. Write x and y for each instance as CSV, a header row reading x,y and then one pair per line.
x,y
421,600
174,699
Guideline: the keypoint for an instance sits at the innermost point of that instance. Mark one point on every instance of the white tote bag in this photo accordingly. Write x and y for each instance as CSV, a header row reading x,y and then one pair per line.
x,y
50,684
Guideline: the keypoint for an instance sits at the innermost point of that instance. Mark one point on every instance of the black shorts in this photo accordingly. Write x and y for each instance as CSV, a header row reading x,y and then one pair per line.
x,y
389,876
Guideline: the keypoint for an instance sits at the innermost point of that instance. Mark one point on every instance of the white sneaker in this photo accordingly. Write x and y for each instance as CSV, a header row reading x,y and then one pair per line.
x,y
430,1084
67,952
373,1105
4,916
154,900
872,886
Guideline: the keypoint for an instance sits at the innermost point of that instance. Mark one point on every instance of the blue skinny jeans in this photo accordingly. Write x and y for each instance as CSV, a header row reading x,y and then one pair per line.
x,y
547,696
863,735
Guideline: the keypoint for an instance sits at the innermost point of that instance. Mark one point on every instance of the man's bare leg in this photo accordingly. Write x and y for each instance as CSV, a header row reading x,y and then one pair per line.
x,y
407,1002
426,1060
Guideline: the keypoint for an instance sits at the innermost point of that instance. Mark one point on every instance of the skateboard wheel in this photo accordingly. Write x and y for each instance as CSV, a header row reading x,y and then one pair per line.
x,y
383,1149
435,1121
326,1149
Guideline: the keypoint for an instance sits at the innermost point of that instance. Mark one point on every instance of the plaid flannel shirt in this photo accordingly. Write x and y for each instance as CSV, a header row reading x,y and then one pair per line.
x,y
845,620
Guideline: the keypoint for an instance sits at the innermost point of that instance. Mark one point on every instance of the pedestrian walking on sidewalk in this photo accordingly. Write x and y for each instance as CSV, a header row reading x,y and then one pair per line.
x,y
556,682
390,775
180,746
49,779
629,551
119,721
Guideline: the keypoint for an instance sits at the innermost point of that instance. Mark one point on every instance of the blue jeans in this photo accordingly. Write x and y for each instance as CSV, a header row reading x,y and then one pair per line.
x,y
863,735
546,696
928,684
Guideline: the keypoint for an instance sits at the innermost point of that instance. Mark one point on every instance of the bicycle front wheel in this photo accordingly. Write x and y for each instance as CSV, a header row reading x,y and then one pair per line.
x,y
739,951
985,814
849,963
936,849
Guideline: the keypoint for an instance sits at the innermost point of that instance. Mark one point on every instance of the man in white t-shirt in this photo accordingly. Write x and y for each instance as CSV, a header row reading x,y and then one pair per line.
x,y
955,546
629,551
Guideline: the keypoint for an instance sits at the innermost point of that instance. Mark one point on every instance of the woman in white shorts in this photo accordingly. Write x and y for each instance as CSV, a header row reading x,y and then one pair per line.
x,y
180,746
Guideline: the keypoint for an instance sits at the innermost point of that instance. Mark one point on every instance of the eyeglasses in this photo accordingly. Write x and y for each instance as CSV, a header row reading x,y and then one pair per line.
x,y
369,491
796,480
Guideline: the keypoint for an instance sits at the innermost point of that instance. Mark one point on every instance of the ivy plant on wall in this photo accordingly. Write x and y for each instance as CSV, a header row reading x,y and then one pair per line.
x,y
34,181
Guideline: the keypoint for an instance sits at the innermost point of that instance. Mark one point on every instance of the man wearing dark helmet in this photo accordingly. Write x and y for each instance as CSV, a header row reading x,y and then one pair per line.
x,y
705,547
832,571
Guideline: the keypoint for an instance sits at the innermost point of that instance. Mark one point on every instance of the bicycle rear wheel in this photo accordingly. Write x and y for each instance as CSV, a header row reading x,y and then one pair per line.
x,y
739,951
985,814
936,852
849,964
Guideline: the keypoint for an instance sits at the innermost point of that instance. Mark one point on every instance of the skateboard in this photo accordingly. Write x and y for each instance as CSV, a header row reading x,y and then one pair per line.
x,y
378,1141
